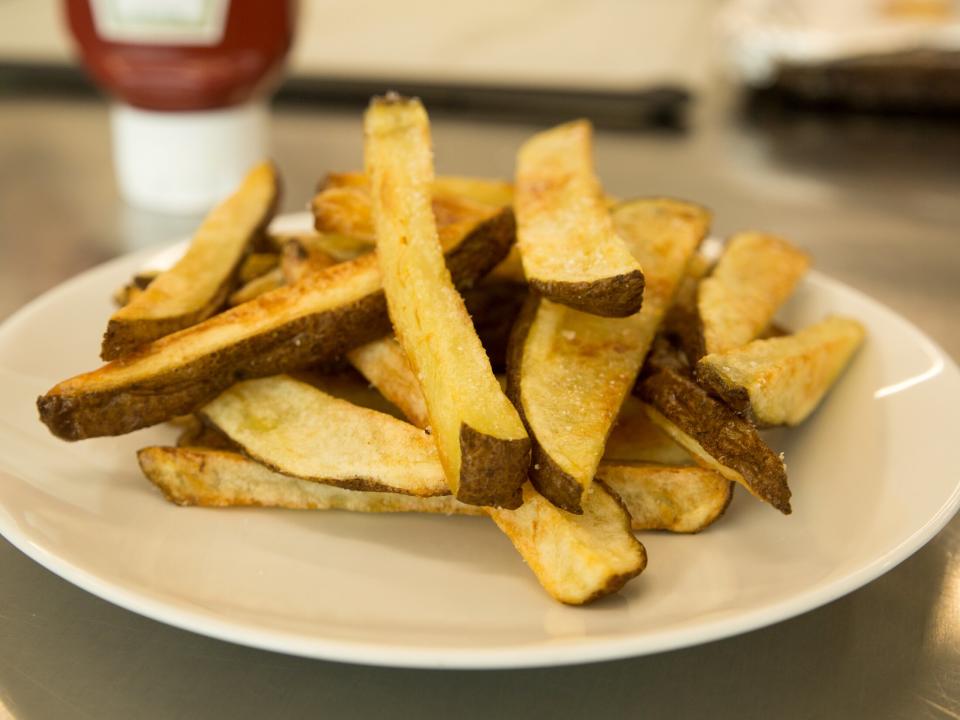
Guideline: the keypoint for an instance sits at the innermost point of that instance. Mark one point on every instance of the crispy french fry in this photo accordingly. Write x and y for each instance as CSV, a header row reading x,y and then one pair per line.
x,y
716,436
198,285
220,478
570,249
289,426
576,558
384,364
482,444
311,322
568,372
682,499
780,381
752,279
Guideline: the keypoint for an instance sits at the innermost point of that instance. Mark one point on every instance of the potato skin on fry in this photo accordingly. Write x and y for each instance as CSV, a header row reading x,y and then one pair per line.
x,y
570,251
707,425
481,440
550,480
617,296
569,371
197,286
781,380
115,400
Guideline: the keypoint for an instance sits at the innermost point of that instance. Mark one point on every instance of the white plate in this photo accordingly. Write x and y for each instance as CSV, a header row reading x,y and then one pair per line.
x,y
873,475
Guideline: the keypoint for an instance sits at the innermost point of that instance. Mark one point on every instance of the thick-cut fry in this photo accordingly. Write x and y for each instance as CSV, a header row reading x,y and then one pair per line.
x,y
483,446
257,287
384,364
569,372
570,249
576,558
197,286
781,381
636,439
314,321
296,429
737,301
716,436
661,497
219,478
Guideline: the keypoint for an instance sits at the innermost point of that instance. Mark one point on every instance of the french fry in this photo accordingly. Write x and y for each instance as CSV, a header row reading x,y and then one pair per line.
x,y
752,279
311,322
482,443
568,372
716,436
681,499
780,381
289,425
198,284
576,558
570,250
384,364
220,478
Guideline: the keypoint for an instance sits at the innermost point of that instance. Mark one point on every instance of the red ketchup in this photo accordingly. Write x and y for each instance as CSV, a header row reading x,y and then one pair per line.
x,y
190,81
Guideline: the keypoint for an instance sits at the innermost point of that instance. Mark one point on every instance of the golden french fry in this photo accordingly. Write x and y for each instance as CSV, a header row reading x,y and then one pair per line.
x,y
568,372
570,249
716,436
198,285
781,380
482,444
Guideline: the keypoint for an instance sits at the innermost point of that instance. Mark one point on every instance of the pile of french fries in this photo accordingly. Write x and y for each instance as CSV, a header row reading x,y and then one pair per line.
x,y
569,366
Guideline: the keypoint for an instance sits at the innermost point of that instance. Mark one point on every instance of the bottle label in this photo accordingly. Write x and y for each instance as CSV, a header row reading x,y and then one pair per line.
x,y
161,22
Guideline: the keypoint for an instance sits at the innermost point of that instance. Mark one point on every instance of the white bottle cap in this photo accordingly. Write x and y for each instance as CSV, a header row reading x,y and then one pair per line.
x,y
185,162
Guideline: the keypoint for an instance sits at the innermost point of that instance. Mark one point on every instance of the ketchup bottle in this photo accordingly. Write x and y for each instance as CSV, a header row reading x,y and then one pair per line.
x,y
190,80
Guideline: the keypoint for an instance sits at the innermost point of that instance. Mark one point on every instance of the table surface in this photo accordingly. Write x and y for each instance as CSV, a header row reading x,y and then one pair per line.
x,y
877,202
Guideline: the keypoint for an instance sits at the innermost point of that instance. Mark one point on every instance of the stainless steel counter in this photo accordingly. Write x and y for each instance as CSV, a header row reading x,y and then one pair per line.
x,y
877,203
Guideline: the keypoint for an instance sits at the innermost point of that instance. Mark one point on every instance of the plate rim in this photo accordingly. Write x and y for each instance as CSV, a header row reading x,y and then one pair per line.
x,y
543,654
